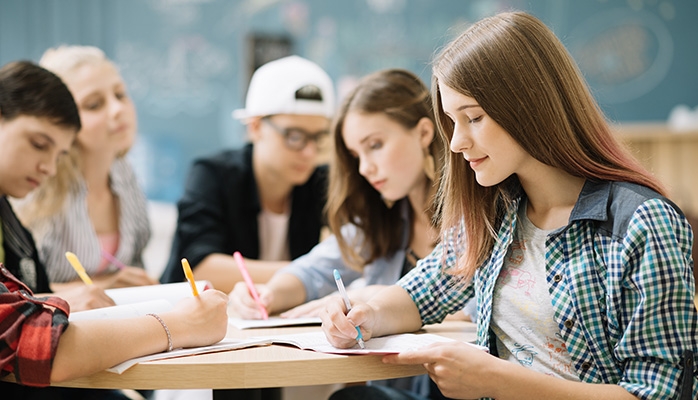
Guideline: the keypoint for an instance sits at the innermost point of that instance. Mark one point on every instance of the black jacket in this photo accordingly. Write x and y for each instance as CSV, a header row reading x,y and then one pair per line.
x,y
218,212
21,256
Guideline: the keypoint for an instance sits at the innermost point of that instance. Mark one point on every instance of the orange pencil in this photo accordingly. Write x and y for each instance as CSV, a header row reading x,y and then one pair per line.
x,y
190,276
77,266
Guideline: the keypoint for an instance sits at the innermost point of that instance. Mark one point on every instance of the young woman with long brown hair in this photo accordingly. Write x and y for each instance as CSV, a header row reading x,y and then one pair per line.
x,y
581,267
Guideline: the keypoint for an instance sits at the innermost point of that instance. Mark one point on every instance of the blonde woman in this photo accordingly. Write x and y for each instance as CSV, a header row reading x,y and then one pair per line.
x,y
93,206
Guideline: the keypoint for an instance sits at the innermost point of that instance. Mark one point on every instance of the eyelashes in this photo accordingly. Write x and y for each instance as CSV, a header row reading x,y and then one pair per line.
x,y
39,145
99,102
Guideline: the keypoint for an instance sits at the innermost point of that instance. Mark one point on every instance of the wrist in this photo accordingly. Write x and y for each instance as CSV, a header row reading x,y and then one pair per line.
x,y
166,328
498,370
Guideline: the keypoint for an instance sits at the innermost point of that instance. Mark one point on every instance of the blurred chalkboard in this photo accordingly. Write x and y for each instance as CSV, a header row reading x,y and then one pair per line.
x,y
187,63
264,48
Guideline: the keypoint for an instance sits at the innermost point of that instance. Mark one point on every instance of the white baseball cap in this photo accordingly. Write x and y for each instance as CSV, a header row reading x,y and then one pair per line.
x,y
289,85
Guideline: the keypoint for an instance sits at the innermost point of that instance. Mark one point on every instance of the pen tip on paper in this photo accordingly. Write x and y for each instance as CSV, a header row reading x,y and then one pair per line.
x,y
360,338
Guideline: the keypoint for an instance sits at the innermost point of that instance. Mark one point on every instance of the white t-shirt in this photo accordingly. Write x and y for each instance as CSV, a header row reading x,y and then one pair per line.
x,y
273,236
522,313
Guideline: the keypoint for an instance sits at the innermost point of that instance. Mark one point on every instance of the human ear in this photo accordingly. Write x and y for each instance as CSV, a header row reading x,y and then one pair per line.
x,y
425,127
253,127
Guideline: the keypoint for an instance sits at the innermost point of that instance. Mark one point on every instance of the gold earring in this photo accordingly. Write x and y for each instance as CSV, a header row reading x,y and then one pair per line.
x,y
429,168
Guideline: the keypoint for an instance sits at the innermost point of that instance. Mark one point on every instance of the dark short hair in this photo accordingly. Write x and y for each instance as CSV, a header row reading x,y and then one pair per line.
x,y
28,89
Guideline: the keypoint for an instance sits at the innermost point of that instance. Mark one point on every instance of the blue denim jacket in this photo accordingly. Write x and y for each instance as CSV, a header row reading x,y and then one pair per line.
x,y
315,268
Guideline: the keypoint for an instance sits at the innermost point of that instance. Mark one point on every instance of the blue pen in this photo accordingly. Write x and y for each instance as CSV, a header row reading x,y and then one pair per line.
x,y
345,297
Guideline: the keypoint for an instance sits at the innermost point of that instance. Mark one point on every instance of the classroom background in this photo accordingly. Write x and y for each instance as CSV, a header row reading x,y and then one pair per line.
x,y
187,64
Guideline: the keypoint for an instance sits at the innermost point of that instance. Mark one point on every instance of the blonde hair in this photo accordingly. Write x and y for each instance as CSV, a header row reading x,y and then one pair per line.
x,y
49,198
525,80
63,60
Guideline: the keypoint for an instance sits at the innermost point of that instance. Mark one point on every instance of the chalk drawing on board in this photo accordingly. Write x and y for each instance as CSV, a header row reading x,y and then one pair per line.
x,y
183,77
623,54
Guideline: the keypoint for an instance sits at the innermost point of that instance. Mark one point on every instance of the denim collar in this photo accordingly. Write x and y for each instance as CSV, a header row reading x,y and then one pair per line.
x,y
592,203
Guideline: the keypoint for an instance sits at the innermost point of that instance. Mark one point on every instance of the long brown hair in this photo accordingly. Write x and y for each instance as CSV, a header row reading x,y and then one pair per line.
x,y
404,98
526,81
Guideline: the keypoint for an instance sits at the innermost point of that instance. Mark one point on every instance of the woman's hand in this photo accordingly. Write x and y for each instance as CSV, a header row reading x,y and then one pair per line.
x,y
243,305
461,371
310,309
126,277
85,297
198,321
315,307
339,328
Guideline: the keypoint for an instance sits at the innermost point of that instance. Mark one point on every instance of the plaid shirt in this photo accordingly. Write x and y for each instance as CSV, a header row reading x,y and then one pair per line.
x,y
620,278
30,328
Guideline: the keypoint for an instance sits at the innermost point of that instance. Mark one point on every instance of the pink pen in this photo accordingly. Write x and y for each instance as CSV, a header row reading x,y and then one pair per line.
x,y
118,264
250,285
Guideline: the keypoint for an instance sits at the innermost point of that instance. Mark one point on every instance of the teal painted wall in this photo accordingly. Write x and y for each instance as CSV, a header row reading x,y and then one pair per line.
x,y
187,62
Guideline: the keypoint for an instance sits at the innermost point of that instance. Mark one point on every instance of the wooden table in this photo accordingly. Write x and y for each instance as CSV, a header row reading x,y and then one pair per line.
x,y
268,366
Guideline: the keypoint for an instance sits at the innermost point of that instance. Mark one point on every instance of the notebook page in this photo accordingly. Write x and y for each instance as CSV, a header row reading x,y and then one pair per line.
x,y
391,344
223,345
172,292
272,322
123,311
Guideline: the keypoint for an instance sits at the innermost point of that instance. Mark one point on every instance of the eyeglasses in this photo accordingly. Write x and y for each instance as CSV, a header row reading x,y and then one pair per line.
x,y
297,138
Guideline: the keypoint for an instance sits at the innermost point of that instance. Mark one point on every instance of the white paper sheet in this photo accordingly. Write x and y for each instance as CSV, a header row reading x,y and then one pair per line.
x,y
272,322
391,344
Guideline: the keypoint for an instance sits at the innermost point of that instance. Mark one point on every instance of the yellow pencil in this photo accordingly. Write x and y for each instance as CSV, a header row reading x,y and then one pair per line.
x,y
73,260
190,276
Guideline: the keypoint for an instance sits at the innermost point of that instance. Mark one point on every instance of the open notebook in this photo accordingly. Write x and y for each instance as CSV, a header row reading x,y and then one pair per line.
x,y
172,292
273,322
140,300
223,345
317,341
312,341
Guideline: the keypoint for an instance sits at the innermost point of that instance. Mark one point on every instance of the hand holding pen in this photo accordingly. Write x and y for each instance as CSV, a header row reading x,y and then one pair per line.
x,y
113,260
250,284
340,327
125,276
347,304
84,297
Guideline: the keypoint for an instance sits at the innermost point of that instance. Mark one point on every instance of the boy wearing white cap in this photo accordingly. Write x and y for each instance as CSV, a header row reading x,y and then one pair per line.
x,y
265,199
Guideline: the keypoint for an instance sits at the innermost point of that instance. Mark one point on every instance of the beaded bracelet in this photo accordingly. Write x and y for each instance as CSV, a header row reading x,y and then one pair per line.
x,y
167,330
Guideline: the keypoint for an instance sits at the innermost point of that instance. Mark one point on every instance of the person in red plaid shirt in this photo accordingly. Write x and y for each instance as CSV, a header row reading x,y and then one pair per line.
x,y
38,123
